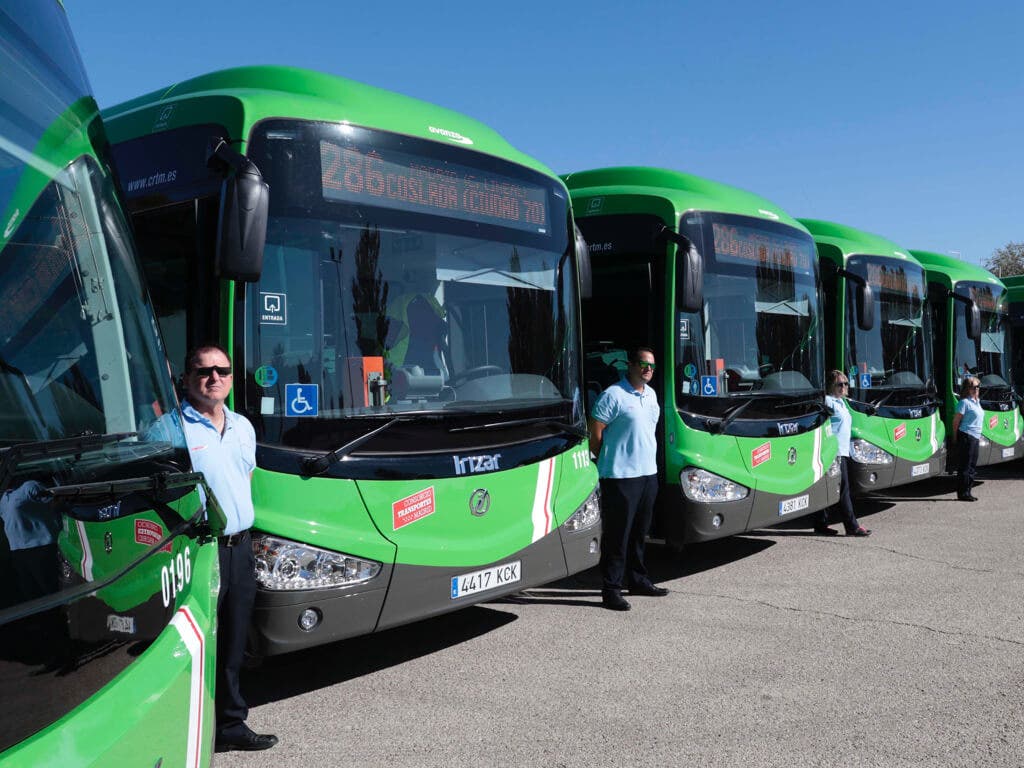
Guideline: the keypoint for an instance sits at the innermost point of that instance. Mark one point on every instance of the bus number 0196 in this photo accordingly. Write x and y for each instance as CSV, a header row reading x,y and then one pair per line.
x,y
175,576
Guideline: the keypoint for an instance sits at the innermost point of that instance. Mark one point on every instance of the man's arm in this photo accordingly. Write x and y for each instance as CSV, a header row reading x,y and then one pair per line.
x,y
596,436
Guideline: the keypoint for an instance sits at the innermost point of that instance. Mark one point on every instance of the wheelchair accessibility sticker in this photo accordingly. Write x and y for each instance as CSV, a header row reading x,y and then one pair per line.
x,y
302,399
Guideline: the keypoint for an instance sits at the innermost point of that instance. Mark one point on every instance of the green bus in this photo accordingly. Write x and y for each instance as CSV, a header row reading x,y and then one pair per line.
x,y
108,570
878,331
724,286
408,352
970,324
1015,307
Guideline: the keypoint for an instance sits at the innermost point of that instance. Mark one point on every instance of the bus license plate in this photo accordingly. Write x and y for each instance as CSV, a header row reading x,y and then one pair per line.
x,y
489,578
919,469
1007,452
794,505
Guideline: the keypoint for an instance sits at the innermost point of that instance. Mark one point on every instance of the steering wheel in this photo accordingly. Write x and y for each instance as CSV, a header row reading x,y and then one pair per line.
x,y
477,372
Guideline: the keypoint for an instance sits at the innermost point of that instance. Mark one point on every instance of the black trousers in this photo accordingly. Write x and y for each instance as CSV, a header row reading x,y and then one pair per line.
x,y
234,611
968,463
627,506
844,507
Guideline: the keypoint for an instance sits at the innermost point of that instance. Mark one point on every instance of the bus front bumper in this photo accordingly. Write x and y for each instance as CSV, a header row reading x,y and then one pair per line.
x,y
866,478
690,522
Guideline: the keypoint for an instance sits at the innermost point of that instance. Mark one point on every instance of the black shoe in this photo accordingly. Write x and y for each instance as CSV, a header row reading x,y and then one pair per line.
x,y
244,740
648,590
824,530
966,497
613,600
859,531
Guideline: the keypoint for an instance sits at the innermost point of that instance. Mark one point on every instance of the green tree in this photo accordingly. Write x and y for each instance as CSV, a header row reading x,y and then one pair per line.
x,y
1006,261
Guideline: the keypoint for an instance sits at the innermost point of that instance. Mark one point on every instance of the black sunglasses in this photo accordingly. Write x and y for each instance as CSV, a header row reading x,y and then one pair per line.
x,y
207,370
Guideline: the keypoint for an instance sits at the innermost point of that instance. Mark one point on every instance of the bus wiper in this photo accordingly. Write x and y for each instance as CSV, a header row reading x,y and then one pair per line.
x,y
820,402
11,457
546,421
317,465
730,415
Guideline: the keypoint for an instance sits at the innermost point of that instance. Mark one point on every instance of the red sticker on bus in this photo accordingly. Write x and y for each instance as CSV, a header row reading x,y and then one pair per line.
x,y
413,508
993,422
149,533
900,432
761,454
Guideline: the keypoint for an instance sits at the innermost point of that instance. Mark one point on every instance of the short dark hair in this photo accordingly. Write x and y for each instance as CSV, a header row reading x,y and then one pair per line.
x,y
192,356
634,355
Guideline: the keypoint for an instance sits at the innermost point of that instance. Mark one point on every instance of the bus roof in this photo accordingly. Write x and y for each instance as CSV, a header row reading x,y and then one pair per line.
x,y
273,91
683,190
953,270
851,241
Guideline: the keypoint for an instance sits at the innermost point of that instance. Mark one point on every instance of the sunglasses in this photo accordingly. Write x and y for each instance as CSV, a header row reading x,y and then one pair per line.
x,y
842,383
645,364
207,370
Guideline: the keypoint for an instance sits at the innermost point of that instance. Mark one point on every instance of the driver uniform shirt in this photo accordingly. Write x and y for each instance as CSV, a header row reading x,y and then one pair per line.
x,y
226,460
629,446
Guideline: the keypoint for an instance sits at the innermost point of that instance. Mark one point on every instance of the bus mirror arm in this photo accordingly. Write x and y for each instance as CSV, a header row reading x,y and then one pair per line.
x,y
691,296
865,300
244,210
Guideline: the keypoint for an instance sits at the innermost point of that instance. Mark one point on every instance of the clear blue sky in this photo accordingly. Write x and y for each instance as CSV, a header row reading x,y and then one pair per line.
x,y
902,118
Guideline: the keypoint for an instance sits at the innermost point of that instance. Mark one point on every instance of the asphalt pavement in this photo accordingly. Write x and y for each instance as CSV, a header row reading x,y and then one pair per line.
x,y
776,648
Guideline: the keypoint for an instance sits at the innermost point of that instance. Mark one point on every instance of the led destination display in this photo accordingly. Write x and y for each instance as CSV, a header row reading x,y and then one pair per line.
x,y
400,180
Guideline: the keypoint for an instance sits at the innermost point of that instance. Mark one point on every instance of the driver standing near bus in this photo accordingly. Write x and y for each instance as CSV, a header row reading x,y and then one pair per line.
x,y
623,436
222,445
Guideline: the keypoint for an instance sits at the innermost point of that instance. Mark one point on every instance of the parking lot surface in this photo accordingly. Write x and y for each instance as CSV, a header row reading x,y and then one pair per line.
x,y
778,648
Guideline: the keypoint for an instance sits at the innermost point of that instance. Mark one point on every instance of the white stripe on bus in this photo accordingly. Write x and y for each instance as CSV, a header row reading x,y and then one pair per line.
x,y
541,514
194,640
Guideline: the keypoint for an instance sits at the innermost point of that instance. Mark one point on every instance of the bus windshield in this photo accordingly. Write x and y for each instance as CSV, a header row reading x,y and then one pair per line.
x,y
988,357
403,276
79,354
895,353
759,330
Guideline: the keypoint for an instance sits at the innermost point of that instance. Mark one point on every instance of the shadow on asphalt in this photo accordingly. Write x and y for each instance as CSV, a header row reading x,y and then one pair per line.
x,y
663,564
292,674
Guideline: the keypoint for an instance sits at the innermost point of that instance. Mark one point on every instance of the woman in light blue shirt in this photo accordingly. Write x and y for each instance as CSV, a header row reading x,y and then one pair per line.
x,y
839,388
967,434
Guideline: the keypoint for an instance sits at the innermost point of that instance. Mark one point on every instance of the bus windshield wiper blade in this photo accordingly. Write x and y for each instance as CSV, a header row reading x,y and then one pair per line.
x,y
11,457
731,415
317,465
569,429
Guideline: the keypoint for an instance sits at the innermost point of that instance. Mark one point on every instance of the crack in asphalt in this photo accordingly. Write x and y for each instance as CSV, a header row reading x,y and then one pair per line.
x,y
855,619
936,561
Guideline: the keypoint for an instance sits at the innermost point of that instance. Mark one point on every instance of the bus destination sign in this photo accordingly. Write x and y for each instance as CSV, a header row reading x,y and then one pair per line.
x,y
384,177
745,244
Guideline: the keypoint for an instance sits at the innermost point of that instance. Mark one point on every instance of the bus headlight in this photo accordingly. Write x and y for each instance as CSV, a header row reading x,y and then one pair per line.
x,y
289,565
701,485
864,452
588,515
836,468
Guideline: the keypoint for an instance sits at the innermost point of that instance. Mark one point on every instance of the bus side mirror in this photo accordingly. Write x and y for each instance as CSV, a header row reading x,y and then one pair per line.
x,y
690,264
865,306
972,320
242,221
583,267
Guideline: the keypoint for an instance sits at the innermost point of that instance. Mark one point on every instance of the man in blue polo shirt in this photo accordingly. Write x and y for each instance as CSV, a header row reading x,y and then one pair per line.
x,y
623,436
222,445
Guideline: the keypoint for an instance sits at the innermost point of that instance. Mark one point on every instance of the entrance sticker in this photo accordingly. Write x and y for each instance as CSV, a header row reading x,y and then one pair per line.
x,y
273,309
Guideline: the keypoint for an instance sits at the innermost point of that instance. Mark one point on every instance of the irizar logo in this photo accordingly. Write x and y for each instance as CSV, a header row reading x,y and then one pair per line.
x,y
469,465
788,427
458,138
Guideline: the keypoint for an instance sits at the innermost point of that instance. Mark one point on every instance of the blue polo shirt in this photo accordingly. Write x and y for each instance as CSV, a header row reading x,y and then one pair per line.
x,y
226,460
629,446
841,421
972,417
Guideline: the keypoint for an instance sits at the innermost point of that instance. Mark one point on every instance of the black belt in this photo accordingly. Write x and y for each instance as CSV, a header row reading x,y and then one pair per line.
x,y
234,539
